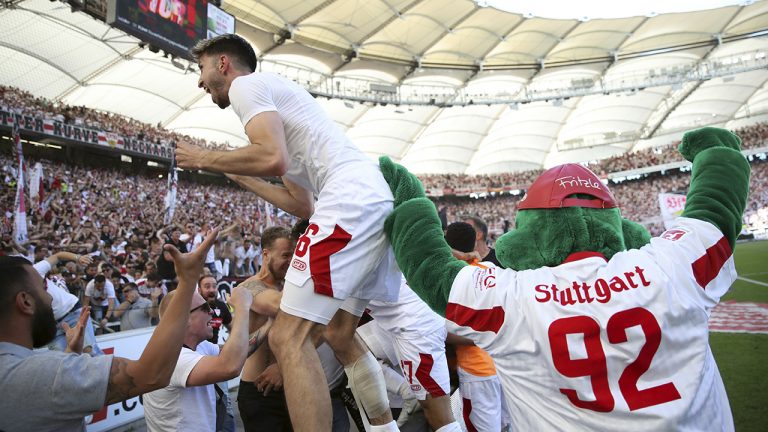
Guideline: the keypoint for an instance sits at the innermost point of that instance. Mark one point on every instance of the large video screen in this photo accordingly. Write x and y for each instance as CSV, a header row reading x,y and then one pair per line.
x,y
171,25
219,22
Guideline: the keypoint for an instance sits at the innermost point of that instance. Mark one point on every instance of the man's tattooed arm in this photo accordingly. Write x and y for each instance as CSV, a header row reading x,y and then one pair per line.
x,y
266,299
122,385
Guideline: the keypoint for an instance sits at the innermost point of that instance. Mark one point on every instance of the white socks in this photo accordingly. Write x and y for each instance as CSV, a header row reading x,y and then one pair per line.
x,y
389,427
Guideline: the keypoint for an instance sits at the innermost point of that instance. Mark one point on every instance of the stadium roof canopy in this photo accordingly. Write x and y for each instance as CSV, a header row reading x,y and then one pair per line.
x,y
441,85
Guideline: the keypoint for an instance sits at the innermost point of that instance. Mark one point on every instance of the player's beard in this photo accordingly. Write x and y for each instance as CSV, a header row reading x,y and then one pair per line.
x,y
43,324
217,89
277,272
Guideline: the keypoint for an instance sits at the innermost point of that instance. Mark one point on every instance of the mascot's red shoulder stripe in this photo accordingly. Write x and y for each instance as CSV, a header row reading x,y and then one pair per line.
x,y
577,256
708,266
476,319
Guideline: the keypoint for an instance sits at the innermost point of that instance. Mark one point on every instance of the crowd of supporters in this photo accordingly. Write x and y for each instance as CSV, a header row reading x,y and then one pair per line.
x,y
116,217
16,99
637,199
753,136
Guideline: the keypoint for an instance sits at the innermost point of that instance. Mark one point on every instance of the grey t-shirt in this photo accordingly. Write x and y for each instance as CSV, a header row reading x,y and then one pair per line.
x,y
137,315
50,390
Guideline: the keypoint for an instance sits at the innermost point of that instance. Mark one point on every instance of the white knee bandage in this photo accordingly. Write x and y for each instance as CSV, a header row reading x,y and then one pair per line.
x,y
367,383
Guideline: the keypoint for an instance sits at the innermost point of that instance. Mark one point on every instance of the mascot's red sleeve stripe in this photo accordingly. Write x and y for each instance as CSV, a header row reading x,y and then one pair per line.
x,y
708,266
476,319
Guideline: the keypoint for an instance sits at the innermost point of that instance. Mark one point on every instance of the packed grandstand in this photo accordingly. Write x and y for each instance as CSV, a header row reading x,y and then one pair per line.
x,y
126,203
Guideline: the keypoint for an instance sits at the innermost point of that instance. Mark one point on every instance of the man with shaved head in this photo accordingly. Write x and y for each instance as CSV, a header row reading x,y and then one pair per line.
x,y
40,378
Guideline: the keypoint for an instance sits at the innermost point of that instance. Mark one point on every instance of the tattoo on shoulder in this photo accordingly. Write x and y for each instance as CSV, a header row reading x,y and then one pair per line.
x,y
121,385
255,286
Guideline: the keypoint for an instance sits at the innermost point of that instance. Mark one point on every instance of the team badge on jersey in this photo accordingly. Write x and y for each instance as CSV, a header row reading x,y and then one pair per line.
x,y
484,278
299,264
674,234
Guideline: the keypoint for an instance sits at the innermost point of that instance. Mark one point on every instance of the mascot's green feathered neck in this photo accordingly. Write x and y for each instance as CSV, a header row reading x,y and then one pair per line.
x,y
545,237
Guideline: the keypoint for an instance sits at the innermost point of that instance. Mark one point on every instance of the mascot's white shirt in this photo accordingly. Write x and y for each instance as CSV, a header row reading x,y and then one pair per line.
x,y
595,345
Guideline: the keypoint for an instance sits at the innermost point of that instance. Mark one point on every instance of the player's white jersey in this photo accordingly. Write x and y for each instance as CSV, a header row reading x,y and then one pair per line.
x,y
596,345
409,314
318,149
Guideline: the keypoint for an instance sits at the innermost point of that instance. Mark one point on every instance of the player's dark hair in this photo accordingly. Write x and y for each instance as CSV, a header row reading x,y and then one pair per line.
x,y
272,234
200,279
237,48
460,236
13,279
480,225
100,278
299,228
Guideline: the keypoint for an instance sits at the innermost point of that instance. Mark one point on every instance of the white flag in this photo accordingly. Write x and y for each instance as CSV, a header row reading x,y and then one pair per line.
x,y
269,213
170,195
671,206
34,185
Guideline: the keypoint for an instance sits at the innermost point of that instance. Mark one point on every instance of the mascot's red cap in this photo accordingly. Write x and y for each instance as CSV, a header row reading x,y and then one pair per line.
x,y
554,186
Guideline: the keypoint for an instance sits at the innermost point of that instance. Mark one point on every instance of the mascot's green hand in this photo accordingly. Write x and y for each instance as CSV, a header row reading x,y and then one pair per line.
x,y
403,184
416,235
696,141
719,179
421,251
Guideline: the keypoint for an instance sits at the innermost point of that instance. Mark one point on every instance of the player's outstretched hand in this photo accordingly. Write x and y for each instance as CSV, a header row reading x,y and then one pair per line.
x,y
189,265
190,156
240,299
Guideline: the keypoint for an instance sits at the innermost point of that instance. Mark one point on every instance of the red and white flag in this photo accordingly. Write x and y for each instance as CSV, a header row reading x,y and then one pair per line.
x,y
20,209
48,126
110,139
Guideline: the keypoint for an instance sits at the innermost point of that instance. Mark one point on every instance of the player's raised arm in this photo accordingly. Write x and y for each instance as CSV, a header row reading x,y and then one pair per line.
x,y
266,155
153,369
290,198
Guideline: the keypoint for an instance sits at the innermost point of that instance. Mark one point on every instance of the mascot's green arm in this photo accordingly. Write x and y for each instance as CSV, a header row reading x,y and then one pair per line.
x,y
416,235
719,179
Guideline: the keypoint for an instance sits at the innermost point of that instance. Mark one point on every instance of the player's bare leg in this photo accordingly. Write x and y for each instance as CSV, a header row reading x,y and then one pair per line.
x,y
437,411
358,360
289,340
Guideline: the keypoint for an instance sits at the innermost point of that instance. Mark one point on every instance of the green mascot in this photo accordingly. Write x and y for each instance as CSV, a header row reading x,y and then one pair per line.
x,y
592,325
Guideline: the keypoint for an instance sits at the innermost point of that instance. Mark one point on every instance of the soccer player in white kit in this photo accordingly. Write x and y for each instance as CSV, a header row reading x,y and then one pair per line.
x,y
409,334
343,260
595,343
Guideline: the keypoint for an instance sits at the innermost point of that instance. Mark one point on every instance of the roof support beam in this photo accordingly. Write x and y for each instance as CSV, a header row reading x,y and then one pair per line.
x,y
40,58
98,72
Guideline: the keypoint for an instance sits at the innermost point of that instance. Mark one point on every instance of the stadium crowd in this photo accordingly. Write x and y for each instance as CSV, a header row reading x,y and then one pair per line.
x,y
16,99
117,217
753,136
